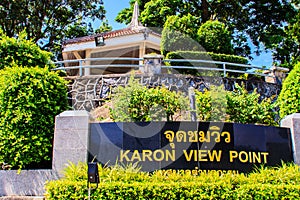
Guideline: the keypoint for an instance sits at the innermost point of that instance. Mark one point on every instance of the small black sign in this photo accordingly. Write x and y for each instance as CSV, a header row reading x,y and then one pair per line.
x,y
193,146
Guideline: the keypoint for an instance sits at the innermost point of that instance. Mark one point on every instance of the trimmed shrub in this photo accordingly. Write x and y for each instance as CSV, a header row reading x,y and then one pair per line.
x,y
236,106
289,97
266,183
215,37
135,102
22,52
207,56
30,98
246,108
200,55
179,34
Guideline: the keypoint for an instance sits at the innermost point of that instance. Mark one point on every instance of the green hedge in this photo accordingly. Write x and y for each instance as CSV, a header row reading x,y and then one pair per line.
x,y
206,56
30,98
289,97
265,183
136,102
182,190
199,55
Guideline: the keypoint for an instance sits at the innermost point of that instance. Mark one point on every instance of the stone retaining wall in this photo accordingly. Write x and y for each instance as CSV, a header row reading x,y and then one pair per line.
x,y
87,93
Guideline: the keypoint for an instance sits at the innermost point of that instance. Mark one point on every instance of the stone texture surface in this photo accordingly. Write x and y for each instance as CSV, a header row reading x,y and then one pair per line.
x,y
70,139
293,122
87,93
26,183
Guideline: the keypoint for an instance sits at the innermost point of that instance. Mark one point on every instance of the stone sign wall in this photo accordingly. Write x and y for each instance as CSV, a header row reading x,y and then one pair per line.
x,y
70,123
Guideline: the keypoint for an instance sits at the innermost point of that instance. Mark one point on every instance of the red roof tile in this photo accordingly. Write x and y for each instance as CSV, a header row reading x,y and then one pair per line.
x,y
110,34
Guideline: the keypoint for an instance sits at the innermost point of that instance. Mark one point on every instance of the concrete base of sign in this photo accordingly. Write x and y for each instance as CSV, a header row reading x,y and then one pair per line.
x,y
71,145
293,122
26,183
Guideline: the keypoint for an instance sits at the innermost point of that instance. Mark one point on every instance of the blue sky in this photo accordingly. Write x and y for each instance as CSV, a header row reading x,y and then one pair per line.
x,y
113,7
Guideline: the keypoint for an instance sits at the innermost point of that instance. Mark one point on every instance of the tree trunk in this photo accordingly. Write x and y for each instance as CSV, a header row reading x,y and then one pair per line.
x,y
205,12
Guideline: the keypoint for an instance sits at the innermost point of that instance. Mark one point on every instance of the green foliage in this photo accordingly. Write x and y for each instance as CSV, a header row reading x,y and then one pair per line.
x,y
244,107
211,105
200,55
209,56
266,183
215,37
139,103
179,34
75,172
117,172
238,106
262,24
125,15
22,52
78,29
104,27
30,98
47,22
289,97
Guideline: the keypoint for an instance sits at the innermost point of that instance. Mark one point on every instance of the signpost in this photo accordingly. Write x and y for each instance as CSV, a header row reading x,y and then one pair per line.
x,y
193,147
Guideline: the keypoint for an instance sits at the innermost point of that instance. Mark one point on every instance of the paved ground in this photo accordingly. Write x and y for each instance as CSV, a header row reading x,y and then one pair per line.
x,y
21,198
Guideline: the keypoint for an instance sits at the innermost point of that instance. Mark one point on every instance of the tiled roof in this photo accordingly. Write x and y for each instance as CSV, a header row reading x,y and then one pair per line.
x,y
107,35
135,27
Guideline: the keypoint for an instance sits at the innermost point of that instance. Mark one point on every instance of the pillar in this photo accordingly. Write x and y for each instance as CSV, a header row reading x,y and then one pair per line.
x,y
70,139
293,122
152,64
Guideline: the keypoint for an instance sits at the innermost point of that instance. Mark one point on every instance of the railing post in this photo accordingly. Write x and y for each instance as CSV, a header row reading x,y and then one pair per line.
x,y
277,74
224,70
80,68
192,104
152,64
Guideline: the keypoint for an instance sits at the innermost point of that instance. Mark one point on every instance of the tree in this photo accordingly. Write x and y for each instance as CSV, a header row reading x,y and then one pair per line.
x,y
104,27
47,22
124,16
215,37
22,52
179,34
289,97
78,29
156,13
260,21
287,48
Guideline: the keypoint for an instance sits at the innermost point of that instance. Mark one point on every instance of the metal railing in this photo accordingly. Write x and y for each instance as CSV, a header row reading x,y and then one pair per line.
x,y
197,65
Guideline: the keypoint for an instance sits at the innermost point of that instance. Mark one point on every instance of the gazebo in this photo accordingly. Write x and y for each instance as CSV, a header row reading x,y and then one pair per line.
x,y
134,41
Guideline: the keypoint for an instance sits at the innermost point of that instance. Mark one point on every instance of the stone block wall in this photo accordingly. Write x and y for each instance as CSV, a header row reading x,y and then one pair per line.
x,y
87,93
